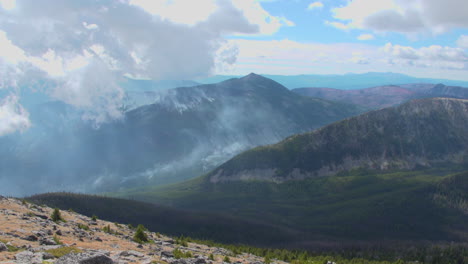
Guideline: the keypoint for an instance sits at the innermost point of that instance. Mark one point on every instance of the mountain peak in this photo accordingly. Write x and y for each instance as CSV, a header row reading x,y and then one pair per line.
x,y
253,76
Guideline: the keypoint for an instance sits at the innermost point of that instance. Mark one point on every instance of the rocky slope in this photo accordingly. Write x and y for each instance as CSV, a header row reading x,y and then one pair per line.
x,y
385,96
28,235
421,133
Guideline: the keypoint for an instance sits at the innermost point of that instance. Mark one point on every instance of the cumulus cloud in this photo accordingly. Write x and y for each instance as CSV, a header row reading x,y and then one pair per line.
x,y
292,57
402,16
434,56
82,48
315,5
462,42
13,117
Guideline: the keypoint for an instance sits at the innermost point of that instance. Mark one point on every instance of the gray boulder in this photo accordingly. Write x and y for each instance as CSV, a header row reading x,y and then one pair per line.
x,y
85,258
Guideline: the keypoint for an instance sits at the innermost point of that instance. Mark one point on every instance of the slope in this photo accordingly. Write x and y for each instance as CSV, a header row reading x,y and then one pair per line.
x,y
396,174
385,96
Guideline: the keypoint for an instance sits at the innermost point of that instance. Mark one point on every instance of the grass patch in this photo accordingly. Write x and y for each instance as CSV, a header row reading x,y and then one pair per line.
x,y
178,254
59,252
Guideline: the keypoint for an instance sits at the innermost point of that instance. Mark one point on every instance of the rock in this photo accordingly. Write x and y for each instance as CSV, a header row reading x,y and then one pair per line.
x,y
3,247
98,239
167,254
47,242
31,238
58,232
28,257
140,246
179,261
131,253
85,258
39,233
200,261
47,255
24,257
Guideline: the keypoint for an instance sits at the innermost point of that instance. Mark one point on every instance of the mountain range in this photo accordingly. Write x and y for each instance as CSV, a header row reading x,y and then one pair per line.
x,y
349,81
385,96
185,132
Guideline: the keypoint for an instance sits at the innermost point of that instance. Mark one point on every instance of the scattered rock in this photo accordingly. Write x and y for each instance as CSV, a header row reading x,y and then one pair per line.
x,y
132,253
3,247
47,242
85,258
31,238
167,254
28,257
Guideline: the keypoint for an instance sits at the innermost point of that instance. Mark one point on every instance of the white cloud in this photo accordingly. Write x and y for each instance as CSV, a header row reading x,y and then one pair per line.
x,y
13,117
462,42
337,25
315,5
8,4
434,56
178,11
194,12
67,44
255,14
365,37
291,57
403,16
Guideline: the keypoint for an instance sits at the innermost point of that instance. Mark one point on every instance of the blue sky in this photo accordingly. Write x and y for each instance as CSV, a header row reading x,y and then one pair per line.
x,y
420,38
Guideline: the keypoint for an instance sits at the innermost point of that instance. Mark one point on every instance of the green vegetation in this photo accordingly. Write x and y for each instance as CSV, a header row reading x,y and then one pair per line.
x,y
397,254
62,251
83,226
211,257
341,218
227,259
57,240
107,229
57,216
183,241
140,235
94,218
178,254
10,247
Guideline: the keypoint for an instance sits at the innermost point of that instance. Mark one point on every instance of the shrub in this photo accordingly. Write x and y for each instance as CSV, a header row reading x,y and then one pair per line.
x,y
180,254
94,218
227,259
56,216
211,257
107,229
140,235
84,227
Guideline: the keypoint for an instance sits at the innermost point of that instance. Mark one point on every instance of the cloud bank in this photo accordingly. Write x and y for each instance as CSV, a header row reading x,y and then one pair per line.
x,y
81,49
402,16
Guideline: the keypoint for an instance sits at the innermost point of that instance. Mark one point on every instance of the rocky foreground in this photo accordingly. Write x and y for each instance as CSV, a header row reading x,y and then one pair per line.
x,y
28,235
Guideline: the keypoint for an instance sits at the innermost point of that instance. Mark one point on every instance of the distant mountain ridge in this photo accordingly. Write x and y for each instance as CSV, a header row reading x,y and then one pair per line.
x,y
344,82
421,133
385,96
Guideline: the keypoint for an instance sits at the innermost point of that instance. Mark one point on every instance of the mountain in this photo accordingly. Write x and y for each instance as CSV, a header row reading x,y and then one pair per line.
x,y
421,133
385,96
185,132
386,176
346,81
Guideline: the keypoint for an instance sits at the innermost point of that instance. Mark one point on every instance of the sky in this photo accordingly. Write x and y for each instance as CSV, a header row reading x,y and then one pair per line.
x,y
82,49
